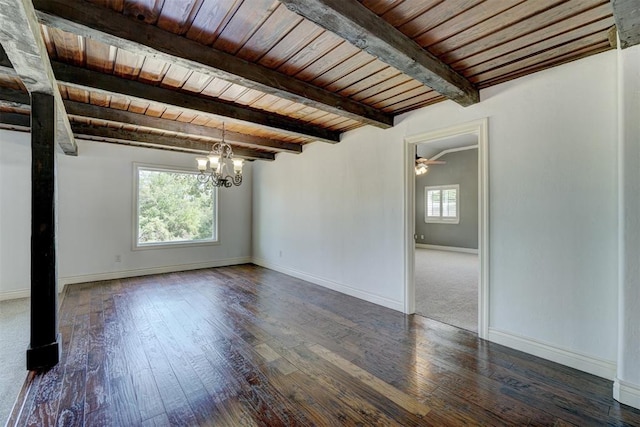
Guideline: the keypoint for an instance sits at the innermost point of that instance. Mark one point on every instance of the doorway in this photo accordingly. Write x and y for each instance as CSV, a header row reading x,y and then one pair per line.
x,y
446,231
436,140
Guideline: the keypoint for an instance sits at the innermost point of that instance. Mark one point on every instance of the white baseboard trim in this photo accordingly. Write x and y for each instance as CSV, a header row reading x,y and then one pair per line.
x,y
348,290
25,293
592,365
626,393
64,281
447,248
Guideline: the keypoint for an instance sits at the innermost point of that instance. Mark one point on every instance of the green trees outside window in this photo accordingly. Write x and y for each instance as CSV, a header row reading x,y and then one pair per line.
x,y
174,207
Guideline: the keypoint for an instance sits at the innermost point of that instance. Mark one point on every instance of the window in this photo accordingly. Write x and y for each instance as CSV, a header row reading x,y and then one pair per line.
x,y
442,204
173,208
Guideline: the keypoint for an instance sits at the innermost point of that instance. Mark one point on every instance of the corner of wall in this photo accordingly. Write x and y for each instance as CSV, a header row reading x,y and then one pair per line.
x,y
625,393
339,287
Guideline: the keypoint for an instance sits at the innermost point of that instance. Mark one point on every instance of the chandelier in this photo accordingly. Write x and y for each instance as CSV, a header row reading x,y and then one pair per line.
x,y
213,167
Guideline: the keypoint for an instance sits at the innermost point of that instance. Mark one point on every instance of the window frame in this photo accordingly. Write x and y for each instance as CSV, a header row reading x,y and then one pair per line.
x,y
136,245
440,219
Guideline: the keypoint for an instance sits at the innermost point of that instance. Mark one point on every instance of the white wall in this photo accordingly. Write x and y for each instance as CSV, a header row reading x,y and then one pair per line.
x,y
627,384
95,216
335,212
15,214
331,215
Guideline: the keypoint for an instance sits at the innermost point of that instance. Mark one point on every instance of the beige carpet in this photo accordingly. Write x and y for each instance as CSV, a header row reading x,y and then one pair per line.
x,y
14,339
447,287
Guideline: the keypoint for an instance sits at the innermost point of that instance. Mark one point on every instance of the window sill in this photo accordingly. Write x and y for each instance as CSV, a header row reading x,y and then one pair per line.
x,y
442,221
175,245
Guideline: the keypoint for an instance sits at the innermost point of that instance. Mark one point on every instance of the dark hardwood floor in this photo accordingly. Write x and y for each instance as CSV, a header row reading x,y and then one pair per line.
x,y
244,345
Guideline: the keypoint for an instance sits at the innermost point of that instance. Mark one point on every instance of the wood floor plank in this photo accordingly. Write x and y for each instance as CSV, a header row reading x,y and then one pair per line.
x,y
160,420
319,405
100,417
175,402
123,396
44,409
393,394
272,407
247,346
71,405
364,400
180,356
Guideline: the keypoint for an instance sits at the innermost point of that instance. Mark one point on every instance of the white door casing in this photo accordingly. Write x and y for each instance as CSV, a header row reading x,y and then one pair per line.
x,y
481,130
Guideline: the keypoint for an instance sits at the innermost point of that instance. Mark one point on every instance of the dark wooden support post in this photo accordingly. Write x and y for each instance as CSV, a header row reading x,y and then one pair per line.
x,y
45,346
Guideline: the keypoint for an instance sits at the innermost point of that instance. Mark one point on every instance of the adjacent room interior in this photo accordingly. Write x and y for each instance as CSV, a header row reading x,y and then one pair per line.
x,y
446,231
210,213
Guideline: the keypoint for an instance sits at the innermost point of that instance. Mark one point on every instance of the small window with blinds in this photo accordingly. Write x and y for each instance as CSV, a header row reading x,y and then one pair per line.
x,y
442,204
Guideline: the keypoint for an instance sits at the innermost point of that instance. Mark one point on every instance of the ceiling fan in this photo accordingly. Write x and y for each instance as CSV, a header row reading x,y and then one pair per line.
x,y
422,164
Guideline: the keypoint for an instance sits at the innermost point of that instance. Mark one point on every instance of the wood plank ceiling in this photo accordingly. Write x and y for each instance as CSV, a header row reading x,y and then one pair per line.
x,y
168,73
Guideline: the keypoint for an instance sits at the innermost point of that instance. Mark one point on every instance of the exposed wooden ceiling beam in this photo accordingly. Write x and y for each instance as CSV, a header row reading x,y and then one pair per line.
x,y
164,140
116,29
85,131
15,119
121,136
356,23
15,98
18,99
612,35
20,36
627,17
84,78
127,117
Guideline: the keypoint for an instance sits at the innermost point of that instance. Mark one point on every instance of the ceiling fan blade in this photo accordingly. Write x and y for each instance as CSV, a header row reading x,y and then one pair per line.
x,y
430,162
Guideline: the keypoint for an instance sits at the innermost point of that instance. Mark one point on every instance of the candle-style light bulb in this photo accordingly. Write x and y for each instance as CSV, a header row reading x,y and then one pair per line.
x,y
237,165
202,163
214,161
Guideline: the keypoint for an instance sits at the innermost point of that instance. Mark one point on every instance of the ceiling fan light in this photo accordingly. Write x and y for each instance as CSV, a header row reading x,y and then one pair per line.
x,y
421,169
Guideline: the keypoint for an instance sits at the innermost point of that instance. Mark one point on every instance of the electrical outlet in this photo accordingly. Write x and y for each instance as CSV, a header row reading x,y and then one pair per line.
x,y
118,258
422,237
